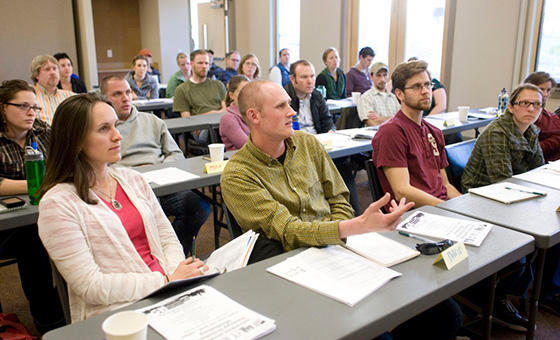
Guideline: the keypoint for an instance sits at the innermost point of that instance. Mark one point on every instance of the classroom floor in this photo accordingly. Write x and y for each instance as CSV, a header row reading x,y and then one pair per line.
x,y
13,300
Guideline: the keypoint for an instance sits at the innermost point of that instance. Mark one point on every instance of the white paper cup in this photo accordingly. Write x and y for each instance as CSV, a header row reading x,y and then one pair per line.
x,y
355,97
216,152
463,112
128,325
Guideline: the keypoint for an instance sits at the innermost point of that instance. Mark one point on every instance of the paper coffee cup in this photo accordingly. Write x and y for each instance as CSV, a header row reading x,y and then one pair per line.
x,y
463,112
355,97
216,152
128,325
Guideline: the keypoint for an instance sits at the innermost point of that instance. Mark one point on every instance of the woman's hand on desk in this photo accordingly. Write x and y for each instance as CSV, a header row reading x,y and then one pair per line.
x,y
187,268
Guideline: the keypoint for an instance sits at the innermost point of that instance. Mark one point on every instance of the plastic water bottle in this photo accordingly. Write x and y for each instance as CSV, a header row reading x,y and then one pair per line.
x,y
322,90
505,99
295,122
34,171
500,102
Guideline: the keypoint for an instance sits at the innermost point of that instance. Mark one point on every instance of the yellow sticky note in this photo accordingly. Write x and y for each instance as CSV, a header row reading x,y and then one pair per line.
x,y
211,168
453,255
327,144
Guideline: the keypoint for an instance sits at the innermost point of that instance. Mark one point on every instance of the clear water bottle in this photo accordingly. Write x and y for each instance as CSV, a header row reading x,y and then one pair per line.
x,y
322,90
34,171
505,99
500,101
295,122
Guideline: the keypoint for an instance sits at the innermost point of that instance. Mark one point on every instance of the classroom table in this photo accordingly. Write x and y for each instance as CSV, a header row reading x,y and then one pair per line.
x,y
535,217
336,106
293,307
146,105
193,123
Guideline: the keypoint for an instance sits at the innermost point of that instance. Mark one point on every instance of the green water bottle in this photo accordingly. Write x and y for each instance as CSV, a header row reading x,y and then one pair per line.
x,y
34,171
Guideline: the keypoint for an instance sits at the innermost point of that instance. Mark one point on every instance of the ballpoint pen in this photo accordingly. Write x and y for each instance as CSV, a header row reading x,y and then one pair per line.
x,y
416,237
527,191
193,248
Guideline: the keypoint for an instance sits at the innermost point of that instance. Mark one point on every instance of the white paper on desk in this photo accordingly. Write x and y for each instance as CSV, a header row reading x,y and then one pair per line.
x,y
234,254
546,175
441,227
335,272
380,249
360,133
168,176
340,140
205,313
499,192
340,102
481,115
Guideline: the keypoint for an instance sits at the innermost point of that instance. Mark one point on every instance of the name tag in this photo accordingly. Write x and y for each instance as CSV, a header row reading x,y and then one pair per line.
x,y
453,255
449,122
212,168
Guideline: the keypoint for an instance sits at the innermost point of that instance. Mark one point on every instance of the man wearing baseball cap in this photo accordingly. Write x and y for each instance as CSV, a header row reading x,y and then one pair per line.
x,y
151,70
378,104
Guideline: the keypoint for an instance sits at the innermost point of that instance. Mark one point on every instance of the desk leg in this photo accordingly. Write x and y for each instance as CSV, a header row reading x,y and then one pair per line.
x,y
489,308
534,301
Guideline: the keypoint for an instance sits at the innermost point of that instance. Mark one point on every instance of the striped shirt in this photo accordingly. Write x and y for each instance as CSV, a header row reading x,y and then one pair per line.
x,y
12,155
298,203
49,103
385,104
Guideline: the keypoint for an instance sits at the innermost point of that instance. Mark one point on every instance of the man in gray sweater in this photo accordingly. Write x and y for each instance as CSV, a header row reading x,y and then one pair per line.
x,y
147,141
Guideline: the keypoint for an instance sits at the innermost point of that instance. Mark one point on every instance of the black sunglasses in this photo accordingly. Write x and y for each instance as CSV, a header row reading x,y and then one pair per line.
x,y
433,248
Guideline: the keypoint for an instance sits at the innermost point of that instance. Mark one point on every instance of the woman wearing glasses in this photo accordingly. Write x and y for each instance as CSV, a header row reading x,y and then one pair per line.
x,y
20,128
249,67
509,145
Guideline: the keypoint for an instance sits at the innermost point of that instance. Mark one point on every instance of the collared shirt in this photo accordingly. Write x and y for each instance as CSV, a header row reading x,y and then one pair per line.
x,y
305,116
49,103
500,152
12,155
385,104
298,203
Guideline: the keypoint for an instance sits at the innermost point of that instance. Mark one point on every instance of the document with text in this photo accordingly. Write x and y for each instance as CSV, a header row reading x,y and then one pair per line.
x,y
380,249
168,176
335,272
205,313
441,227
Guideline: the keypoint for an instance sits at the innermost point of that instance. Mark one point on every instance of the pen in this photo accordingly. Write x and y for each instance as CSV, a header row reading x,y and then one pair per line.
x,y
193,248
527,191
416,237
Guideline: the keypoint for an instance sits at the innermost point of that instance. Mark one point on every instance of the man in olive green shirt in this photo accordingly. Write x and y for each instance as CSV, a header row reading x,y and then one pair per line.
x,y
285,185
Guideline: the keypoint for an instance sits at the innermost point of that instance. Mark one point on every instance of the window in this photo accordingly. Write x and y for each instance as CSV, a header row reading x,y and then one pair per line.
x,y
374,26
424,32
548,59
288,26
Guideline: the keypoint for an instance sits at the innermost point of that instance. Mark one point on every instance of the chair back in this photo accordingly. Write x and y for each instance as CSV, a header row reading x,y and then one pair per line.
x,y
458,155
348,119
373,179
62,289
233,228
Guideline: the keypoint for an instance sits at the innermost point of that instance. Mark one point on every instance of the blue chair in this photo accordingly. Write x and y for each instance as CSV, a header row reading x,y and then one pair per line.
x,y
458,155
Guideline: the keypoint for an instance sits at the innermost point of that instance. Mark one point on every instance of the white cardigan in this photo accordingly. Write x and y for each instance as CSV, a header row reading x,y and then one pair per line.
x,y
93,252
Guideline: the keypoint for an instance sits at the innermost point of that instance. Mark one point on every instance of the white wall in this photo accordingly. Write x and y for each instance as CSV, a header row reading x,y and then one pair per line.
x,y
86,44
483,51
321,27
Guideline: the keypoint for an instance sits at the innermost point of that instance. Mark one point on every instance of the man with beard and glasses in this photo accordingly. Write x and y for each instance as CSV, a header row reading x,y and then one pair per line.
x,y
408,152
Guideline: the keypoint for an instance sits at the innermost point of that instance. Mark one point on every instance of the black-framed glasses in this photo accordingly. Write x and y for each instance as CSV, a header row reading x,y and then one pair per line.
x,y
418,87
433,248
26,107
525,103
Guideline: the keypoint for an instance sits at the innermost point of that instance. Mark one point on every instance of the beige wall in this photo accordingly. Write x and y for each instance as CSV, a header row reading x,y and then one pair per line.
x,y
254,31
321,27
30,28
85,38
483,53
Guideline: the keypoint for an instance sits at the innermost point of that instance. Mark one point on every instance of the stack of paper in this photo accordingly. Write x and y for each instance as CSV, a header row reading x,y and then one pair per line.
x,y
440,227
506,192
234,254
205,313
335,272
380,249
547,175
168,176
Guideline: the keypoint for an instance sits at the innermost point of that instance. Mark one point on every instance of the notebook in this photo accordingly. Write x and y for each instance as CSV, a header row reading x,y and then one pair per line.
x,y
380,249
507,193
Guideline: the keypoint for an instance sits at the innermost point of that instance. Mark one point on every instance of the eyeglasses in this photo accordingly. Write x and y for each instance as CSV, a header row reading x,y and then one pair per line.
x,y
433,248
418,87
26,107
524,103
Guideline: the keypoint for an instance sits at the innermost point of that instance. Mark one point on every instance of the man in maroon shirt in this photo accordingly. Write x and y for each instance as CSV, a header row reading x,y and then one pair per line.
x,y
408,152
548,122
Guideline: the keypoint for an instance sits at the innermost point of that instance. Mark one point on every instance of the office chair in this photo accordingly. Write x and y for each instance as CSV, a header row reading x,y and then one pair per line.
x,y
458,155
232,226
62,289
374,184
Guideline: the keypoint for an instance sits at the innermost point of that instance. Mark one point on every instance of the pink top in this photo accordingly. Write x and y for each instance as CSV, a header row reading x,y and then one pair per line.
x,y
134,226
233,130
